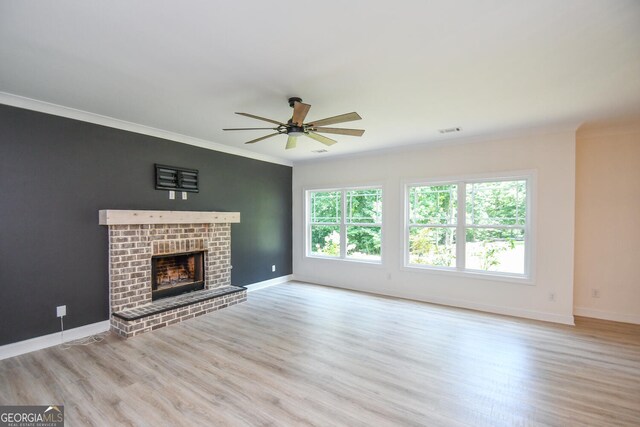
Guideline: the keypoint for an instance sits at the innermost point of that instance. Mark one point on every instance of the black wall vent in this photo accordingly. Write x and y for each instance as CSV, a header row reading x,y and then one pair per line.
x,y
174,178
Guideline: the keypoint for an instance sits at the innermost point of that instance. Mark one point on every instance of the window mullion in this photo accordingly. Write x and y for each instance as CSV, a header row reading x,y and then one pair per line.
x,y
498,227
460,227
343,227
527,229
308,216
407,224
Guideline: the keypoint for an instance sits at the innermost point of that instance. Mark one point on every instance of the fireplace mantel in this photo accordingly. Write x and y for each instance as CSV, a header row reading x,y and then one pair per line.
x,y
127,217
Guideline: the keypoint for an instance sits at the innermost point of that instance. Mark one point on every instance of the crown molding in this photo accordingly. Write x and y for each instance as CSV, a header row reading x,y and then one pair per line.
x,y
85,116
497,136
598,129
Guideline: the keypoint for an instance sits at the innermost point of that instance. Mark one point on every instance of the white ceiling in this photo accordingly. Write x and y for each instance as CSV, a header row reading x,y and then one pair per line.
x,y
408,67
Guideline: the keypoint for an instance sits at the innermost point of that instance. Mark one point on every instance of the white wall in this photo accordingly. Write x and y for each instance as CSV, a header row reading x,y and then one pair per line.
x,y
607,224
551,155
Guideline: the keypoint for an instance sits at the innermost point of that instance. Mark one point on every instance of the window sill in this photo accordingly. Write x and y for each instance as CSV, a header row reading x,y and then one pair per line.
x,y
471,274
350,260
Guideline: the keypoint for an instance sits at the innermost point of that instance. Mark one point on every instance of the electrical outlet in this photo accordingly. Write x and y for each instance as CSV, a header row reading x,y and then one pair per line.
x,y
184,195
552,296
273,267
595,293
61,310
172,195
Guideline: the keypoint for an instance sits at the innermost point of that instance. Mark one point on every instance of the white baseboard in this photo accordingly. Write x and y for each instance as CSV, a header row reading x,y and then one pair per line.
x,y
266,283
606,315
471,305
507,311
38,343
27,346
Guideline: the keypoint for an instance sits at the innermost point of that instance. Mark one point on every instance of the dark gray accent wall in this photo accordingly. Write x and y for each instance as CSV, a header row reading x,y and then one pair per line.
x,y
56,173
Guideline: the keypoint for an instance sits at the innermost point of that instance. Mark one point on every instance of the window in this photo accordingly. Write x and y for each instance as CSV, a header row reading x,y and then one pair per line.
x,y
432,225
345,223
326,220
495,226
474,226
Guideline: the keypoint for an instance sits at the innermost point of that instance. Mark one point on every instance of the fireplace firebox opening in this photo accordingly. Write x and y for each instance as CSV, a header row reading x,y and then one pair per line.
x,y
175,274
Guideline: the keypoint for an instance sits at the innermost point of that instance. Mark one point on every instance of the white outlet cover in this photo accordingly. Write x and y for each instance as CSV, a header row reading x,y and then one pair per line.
x,y
184,195
61,310
273,268
172,195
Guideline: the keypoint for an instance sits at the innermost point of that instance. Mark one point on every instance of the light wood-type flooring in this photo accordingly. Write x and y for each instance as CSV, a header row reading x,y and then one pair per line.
x,y
298,354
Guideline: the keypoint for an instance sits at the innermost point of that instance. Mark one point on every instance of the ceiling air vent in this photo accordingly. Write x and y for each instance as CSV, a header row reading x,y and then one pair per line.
x,y
320,151
449,130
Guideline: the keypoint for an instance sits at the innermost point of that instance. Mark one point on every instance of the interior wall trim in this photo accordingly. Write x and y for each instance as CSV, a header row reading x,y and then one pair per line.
x,y
85,116
471,305
45,341
271,282
630,125
606,315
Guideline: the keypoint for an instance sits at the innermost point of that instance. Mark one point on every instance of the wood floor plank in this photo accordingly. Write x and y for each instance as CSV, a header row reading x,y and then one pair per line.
x,y
299,354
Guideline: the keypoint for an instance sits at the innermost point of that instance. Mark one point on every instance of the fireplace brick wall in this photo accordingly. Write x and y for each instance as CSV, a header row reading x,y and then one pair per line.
x,y
132,246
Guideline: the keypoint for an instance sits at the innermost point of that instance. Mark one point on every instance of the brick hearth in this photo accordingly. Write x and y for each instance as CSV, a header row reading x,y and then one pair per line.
x,y
168,311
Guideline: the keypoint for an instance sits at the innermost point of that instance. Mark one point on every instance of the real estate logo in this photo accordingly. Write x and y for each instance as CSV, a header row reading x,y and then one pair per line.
x,y
32,416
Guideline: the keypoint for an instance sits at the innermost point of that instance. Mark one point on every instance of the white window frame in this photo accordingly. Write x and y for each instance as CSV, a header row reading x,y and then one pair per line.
x,y
343,224
461,225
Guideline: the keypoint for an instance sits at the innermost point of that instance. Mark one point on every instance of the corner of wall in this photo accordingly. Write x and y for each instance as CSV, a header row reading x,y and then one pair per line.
x,y
607,235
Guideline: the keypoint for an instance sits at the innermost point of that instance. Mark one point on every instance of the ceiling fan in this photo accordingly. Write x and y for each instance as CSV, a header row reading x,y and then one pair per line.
x,y
296,127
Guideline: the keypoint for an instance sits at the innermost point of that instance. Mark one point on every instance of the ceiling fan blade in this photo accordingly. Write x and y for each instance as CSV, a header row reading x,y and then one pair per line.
x,y
262,118
260,139
352,132
291,142
251,129
342,118
300,111
321,138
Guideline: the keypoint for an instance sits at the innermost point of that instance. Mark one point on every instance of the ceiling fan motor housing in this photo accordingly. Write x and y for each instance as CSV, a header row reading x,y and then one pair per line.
x,y
293,100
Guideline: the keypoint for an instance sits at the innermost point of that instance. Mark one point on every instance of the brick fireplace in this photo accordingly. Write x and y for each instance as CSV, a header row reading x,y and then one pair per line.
x,y
168,266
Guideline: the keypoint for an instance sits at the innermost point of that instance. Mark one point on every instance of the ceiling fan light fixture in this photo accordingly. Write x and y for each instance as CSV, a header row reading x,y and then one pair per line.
x,y
295,131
